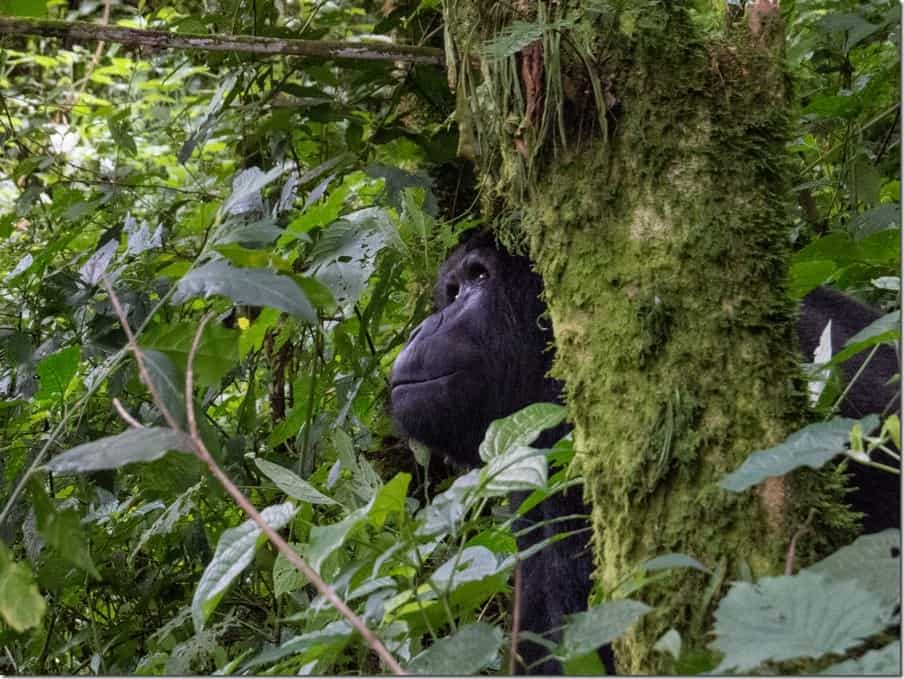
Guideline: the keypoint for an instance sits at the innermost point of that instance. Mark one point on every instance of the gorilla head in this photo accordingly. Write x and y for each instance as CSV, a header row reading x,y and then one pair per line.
x,y
482,355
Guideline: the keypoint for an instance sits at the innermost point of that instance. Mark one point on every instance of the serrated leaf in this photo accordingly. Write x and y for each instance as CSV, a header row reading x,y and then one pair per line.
x,y
93,270
813,446
21,603
167,520
63,530
258,287
883,661
587,631
788,617
333,635
468,651
345,256
519,468
291,484
246,189
520,429
234,552
674,561
261,232
112,452
874,561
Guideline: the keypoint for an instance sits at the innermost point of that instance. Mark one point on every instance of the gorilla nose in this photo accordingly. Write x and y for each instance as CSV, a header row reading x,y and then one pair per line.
x,y
429,326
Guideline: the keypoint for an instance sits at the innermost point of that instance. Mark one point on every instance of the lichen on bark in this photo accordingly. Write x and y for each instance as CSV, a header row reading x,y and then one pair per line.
x,y
660,230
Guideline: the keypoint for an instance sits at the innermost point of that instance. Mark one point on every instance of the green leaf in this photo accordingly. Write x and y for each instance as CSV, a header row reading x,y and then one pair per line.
x,y
55,372
390,499
287,578
468,651
63,530
873,561
888,325
587,665
585,632
332,637
883,661
217,355
518,468
674,561
21,603
471,565
168,381
346,254
258,287
670,643
324,540
788,617
806,275
23,8
292,484
520,429
234,552
112,452
813,446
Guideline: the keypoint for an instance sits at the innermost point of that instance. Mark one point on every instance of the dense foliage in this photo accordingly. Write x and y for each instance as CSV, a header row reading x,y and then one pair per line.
x,y
307,205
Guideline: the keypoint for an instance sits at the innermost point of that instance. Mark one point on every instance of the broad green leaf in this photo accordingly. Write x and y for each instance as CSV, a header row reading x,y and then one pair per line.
x,y
447,510
518,468
333,636
674,561
261,232
520,429
258,287
346,254
788,617
888,325
291,484
246,189
234,552
874,561
112,452
587,631
472,564
813,446
806,275
21,603
883,661
287,578
64,531
217,354
390,499
325,540
468,651
56,371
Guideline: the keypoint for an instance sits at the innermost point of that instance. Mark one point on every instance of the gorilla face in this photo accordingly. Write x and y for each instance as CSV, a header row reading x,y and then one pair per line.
x,y
482,355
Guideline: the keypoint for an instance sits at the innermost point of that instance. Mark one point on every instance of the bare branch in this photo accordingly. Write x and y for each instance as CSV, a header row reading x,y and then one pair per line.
x,y
247,44
124,414
139,359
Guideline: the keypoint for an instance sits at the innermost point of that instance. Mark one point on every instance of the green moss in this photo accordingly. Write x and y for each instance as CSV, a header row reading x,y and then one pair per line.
x,y
663,248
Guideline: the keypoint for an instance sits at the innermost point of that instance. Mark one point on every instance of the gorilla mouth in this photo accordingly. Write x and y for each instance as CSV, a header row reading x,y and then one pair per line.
x,y
425,380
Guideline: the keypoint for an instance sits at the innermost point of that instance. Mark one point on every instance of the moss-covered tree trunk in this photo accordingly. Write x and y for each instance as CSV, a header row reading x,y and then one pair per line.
x,y
639,151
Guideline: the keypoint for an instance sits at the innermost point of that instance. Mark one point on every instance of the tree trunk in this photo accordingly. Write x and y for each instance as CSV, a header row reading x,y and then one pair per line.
x,y
640,153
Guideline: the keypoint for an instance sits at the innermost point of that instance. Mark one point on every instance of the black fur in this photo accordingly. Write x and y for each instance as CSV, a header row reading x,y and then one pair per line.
x,y
485,353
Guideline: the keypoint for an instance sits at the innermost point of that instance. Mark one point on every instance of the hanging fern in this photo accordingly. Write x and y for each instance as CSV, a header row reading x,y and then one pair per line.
x,y
518,35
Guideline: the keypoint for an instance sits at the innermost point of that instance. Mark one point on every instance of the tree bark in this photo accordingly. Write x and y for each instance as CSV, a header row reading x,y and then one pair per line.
x,y
641,151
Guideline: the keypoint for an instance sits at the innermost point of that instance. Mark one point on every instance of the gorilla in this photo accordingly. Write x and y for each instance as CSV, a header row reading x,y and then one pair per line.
x,y
486,353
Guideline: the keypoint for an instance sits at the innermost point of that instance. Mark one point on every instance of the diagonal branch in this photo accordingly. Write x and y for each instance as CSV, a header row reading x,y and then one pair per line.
x,y
247,44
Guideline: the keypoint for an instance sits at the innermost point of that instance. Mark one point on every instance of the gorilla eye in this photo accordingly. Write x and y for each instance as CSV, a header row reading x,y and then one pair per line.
x,y
477,272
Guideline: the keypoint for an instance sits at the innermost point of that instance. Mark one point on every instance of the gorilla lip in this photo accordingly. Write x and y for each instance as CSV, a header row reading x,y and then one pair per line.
x,y
408,382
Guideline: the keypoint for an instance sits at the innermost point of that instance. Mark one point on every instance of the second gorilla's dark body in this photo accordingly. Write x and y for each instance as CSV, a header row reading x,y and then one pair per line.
x,y
485,353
